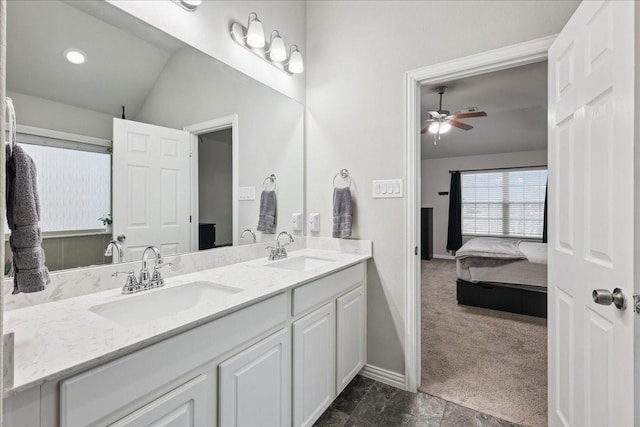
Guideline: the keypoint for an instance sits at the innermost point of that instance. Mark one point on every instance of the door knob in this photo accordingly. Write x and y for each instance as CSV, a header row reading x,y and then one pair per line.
x,y
121,238
606,297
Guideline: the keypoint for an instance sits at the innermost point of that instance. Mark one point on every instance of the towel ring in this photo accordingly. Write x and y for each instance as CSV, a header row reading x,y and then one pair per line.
x,y
345,175
271,178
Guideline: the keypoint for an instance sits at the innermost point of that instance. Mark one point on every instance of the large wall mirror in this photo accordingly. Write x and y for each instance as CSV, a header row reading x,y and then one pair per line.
x,y
183,171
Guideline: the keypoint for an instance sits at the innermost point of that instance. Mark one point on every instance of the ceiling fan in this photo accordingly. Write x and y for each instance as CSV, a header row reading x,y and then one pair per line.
x,y
441,121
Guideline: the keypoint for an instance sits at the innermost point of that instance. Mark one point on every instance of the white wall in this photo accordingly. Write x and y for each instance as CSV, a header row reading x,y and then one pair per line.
x,y
215,186
435,177
42,113
358,52
194,88
207,29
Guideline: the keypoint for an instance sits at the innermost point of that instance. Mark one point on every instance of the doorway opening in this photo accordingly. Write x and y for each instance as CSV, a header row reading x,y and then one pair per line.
x,y
483,193
214,183
531,52
215,189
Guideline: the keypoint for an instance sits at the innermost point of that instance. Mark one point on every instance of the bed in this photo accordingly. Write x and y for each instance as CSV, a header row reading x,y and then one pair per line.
x,y
503,274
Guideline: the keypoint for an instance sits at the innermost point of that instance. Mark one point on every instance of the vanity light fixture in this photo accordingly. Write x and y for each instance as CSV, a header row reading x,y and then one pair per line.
x,y
277,49
295,65
190,5
75,56
255,32
252,38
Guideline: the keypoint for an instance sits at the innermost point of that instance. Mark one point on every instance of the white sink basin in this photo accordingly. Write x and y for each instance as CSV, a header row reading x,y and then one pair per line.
x,y
151,305
301,263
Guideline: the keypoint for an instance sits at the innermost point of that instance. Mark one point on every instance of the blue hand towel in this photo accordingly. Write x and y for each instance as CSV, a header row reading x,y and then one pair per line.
x,y
23,215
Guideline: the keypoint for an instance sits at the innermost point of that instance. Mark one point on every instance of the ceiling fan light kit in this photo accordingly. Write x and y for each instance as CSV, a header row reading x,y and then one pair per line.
x,y
442,121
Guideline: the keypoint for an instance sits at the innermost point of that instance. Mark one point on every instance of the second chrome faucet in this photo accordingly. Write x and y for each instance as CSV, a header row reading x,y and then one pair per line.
x,y
280,251
146,281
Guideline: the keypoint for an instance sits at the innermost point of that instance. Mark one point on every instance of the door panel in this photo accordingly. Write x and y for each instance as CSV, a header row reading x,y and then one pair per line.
x,y
591,197
351,340
151,194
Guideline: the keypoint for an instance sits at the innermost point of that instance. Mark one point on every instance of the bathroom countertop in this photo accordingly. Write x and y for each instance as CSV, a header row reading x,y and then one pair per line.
x,y
60,338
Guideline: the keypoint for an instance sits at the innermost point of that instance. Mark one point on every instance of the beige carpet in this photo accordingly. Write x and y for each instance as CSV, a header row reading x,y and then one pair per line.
x,y
487,360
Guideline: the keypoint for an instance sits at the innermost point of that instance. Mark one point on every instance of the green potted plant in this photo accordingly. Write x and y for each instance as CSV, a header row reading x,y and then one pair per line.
x,y
107,222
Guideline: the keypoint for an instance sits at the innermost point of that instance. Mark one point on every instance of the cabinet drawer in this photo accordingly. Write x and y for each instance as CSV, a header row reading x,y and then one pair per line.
x,y
96,394
321,290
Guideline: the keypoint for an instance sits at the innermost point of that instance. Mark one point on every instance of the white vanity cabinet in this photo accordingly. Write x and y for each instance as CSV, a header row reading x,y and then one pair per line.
x,y
314,366
255,385
280,361
329,343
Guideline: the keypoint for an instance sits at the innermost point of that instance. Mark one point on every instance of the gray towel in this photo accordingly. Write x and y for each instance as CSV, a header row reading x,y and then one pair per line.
x,y
23,215
342,212
268,212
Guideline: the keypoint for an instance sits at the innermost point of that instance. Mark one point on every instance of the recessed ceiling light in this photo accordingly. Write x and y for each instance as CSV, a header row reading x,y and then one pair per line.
x,y
75,56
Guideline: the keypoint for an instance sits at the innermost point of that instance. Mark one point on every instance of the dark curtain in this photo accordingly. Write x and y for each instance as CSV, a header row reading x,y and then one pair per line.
x,y
544,224
454,235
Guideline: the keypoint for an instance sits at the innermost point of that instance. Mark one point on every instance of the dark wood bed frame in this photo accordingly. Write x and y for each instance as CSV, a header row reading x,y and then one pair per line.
x,y
521,299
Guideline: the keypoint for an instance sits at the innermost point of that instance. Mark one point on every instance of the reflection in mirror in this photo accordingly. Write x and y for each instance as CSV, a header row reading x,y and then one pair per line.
x,y
184,171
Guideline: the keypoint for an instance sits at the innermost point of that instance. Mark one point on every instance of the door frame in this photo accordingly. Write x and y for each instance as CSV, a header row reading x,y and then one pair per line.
x,y
201,128
486,62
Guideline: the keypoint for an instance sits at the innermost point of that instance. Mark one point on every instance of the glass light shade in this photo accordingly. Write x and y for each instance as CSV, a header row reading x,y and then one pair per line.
x,y
439,127
277,50
192,4
75,56
296,65
255,33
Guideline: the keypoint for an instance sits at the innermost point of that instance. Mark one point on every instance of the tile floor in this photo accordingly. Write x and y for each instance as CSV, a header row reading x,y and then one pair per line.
x,y
369,403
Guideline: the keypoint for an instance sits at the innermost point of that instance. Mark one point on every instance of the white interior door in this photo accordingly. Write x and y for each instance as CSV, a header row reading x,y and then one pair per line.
x,y
591,205
150,188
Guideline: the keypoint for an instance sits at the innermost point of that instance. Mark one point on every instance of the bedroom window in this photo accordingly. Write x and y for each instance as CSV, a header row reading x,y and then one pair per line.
x,y
506,203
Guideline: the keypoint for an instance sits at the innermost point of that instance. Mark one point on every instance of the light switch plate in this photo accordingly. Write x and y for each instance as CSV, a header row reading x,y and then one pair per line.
x,y
314,222
387,188
246,193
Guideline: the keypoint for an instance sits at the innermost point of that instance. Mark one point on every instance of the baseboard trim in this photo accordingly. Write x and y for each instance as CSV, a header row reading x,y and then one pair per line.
x,y
384,376
443,256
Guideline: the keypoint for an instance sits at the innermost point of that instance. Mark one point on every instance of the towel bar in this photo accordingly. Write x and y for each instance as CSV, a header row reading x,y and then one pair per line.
x,y
344,174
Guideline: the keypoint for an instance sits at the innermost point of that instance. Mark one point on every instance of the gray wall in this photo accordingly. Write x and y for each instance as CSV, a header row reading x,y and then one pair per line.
x,y
42,113
358,52
435,177
194,88
215,185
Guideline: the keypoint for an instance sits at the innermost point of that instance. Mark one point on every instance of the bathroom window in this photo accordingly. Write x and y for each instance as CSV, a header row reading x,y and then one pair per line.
x,y
508,203
74,187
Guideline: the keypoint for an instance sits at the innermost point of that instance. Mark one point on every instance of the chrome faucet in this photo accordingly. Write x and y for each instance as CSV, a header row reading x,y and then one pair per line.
x,y
146,281
109,251
253,235
280,251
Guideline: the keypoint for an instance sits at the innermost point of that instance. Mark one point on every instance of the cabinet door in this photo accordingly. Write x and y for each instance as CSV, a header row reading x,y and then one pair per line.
x,y
255,385
314,368
351,336
186,406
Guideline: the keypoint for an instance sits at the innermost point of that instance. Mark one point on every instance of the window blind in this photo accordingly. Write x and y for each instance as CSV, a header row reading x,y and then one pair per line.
x,y
506,203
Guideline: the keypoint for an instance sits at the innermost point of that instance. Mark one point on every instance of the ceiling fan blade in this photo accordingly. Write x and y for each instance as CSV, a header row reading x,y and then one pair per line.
x,y
423,131
459,125
468,115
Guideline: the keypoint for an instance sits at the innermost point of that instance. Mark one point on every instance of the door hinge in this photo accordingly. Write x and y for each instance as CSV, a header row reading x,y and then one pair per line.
x,y
190,219
636,303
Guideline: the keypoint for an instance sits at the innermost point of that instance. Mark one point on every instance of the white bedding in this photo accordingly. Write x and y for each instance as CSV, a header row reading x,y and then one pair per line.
x,y
529,271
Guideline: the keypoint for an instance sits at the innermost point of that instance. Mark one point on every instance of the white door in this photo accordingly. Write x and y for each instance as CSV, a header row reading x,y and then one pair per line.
x,y
255,385
591,229
351,328
150,188
186,406
314,364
